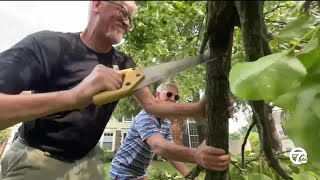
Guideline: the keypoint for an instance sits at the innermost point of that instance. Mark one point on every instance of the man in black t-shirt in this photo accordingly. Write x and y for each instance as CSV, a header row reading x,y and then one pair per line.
x,y
61,126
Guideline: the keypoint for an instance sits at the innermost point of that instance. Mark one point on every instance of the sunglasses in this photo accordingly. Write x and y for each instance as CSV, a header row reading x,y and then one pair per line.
x,y
124,14
169,94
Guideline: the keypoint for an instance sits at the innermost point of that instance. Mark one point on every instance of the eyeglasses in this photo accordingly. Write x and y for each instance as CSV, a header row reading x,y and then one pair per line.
x,y
169,94
124,14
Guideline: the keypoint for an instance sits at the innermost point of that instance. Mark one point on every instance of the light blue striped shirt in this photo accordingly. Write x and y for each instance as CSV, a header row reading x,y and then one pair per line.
x,y
134,155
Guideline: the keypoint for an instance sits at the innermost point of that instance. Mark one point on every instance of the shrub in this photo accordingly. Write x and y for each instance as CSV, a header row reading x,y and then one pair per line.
x,y
108,156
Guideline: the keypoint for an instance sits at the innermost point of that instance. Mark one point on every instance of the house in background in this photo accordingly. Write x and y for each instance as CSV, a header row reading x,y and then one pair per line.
x,y
185,132
114,133
286,143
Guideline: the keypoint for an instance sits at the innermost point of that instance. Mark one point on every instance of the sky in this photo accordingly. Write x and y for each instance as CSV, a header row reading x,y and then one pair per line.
x,y
20,18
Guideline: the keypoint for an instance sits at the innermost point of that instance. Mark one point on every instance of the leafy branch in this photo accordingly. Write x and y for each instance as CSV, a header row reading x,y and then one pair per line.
x,y
241,170
273,21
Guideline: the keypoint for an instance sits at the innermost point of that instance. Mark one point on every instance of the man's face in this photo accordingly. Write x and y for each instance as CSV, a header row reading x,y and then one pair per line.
x,y
169,94
114,19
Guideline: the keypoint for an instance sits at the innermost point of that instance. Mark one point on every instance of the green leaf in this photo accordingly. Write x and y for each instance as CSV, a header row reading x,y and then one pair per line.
x,y
239,177
294,41
263,79
295,28
287,100
199,11
259,176
307,175
310,53
238,57
247,152
309,34
304,119
295,168
255,165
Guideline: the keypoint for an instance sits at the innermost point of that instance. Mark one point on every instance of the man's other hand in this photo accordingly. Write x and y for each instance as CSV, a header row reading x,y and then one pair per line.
x,y
211,158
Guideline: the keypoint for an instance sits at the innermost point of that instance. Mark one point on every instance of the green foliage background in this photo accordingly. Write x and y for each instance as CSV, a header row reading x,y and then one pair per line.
x,y
289,78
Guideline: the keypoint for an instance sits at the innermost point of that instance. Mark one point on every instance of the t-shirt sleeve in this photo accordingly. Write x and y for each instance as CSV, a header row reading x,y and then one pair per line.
x,y
21,67
146,127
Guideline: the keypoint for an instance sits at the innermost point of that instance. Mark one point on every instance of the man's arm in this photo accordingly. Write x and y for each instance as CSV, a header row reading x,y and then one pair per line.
x,y
206,156
24,107
167,109
169,150
19,108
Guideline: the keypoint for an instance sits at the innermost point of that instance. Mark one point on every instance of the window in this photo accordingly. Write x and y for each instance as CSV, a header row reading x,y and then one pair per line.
x,y
107,146
126,119
107,141
193,135
194,141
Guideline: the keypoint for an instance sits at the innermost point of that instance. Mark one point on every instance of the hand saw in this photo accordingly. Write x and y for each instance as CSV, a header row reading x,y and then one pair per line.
x,y
137,77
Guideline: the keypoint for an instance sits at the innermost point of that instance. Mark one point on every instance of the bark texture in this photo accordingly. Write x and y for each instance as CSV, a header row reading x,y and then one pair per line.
x,y
220,27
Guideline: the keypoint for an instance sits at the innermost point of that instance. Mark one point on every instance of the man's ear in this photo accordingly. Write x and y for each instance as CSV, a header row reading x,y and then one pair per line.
x,y
95,6
157,94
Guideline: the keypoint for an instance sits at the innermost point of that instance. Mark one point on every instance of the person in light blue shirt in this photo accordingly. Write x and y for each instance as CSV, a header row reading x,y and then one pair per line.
x,y
150,135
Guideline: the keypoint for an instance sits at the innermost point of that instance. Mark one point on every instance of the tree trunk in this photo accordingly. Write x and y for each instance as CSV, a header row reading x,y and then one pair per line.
x,y
255,46
221,18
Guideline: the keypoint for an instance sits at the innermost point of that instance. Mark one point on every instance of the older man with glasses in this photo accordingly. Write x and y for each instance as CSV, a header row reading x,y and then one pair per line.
x,y
60,125
150,135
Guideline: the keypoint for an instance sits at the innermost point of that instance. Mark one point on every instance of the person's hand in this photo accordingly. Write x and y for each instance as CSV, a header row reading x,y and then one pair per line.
x,y
211,158
100,79
201,108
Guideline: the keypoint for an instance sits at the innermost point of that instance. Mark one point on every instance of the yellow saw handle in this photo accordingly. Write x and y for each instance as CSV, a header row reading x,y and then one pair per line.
x,y
132,77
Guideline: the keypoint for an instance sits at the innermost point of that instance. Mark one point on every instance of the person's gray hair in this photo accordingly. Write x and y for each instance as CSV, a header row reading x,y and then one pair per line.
x,y
130,3
164,85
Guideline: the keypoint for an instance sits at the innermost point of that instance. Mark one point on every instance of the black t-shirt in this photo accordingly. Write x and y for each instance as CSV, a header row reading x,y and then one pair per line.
x,y
48,61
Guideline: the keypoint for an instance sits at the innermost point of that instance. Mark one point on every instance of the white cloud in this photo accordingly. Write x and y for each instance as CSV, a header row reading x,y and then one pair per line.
x,y
20,18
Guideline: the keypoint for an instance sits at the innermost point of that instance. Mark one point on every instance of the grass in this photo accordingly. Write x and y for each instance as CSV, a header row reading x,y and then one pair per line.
x,y
156,165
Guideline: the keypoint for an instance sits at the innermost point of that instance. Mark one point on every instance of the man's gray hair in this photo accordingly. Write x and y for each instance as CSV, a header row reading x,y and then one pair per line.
x,y
164,85
131,3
